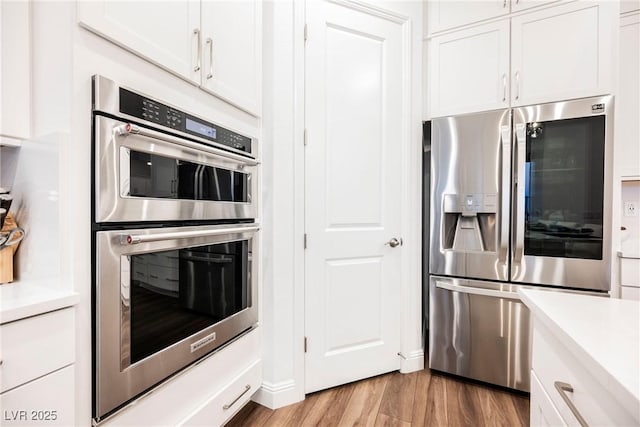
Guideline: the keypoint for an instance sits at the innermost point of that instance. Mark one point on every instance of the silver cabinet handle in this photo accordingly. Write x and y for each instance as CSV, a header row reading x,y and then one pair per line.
x,y
504,3
229,405
132,239
504,87
394,242
517,85
563,389
196,32
209,42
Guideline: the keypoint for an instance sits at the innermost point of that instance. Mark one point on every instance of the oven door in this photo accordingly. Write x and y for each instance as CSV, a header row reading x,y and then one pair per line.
x,y
145,175
165,297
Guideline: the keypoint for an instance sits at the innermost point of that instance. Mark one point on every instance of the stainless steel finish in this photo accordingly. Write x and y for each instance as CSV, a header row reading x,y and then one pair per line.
x,y
106,98
210,43
563,389
470,162
480,330
517,85
565,272
519,189
394,242
116,379
112,179
229,405
132,239
504,86
202,342
196,32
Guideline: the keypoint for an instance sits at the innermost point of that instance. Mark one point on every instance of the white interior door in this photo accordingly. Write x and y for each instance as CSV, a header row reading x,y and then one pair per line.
x,y
354,89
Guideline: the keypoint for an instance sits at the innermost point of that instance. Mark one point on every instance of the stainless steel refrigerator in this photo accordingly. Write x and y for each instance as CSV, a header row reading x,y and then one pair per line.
x,y
519,197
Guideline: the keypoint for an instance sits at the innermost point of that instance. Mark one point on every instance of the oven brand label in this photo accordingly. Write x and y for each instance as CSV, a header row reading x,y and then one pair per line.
x,y
204,341
597,108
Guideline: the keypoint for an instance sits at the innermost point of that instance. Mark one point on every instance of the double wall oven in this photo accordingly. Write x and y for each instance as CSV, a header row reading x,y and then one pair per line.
x,y
174,241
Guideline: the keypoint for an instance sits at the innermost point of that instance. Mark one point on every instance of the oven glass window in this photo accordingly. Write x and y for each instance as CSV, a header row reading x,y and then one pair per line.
x,y
167,178
564,188
177,293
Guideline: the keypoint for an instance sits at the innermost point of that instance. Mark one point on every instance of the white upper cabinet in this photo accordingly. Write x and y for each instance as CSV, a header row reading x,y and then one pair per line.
x,y
469,69
561,53
556,53
15,74
232,53
628,102
518,5
216,45
162,32
445,14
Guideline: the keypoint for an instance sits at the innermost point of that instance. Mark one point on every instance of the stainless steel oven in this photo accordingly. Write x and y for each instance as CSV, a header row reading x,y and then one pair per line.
x,y
174,241
155,162
165,297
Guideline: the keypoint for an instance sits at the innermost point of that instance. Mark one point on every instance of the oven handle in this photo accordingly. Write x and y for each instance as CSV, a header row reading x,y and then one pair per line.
x,y
132,239
129,128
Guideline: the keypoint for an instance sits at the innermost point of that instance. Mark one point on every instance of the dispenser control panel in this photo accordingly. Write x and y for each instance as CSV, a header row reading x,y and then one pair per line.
x,y
471,203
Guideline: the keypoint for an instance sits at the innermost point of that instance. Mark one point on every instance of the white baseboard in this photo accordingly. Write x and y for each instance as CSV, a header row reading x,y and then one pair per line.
x,y
414,362
277,395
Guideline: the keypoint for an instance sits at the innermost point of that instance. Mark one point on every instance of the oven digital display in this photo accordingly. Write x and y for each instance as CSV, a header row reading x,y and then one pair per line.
x,y
200,128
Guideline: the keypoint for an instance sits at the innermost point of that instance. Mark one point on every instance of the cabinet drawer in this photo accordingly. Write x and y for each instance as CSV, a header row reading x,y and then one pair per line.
x,y
228,401
47,401
629,272
36,346
543,412
552,363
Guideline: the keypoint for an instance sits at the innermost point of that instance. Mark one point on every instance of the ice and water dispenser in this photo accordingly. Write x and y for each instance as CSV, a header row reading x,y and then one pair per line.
x,y
470,222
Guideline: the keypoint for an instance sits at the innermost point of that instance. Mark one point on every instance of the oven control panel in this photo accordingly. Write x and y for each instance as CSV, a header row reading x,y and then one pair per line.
x,y
156,112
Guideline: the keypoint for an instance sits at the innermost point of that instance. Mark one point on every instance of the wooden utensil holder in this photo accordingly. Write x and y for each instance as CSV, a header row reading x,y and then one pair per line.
x,y
6,253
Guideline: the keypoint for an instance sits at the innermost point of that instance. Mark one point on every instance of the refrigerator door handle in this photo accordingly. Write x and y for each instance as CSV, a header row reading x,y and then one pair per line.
x,y
477,291
505,134
518,231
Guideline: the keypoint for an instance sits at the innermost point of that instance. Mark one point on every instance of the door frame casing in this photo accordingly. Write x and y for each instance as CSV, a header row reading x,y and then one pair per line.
x,y
278,391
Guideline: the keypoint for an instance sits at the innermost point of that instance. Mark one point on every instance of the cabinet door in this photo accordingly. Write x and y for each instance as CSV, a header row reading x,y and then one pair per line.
x,y
163,32
562,53
232,52
445,14
628,101
469,70
47,401
15,75
543,411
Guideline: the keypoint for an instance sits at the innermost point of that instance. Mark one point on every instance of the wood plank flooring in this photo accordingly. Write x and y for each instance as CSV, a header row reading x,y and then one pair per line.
x,y
423,398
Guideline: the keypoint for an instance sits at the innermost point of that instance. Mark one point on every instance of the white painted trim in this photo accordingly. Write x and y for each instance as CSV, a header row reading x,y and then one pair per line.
x,y
413,362
369,9
277,395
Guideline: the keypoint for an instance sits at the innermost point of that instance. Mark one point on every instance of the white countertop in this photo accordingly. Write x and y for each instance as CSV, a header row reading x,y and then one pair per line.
x,y
603,333
24,299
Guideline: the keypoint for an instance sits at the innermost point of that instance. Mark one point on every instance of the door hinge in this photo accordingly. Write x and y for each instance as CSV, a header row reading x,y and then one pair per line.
x,y
306,32
305,344
305,137
305,240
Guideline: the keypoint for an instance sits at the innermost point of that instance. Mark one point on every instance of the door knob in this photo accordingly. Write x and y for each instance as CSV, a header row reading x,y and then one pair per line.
x,y
394,242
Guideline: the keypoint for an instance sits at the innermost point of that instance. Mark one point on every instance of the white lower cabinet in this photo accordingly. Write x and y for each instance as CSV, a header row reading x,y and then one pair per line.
x,y
208,393
37,371
47,401
565,392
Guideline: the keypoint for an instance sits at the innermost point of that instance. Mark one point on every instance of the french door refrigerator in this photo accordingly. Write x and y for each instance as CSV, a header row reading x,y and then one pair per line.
x,y
517,200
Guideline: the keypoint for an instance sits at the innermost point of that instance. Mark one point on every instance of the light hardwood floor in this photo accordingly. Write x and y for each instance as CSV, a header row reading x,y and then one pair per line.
x,y
421,398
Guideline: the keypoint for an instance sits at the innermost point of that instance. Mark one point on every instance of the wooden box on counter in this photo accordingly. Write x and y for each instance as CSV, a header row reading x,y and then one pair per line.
x,y
6,253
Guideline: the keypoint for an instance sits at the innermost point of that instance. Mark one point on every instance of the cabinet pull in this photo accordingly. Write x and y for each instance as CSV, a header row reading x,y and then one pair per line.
x,y
504,87
504,3
229,405
563,389
196,32
210,43
517,85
